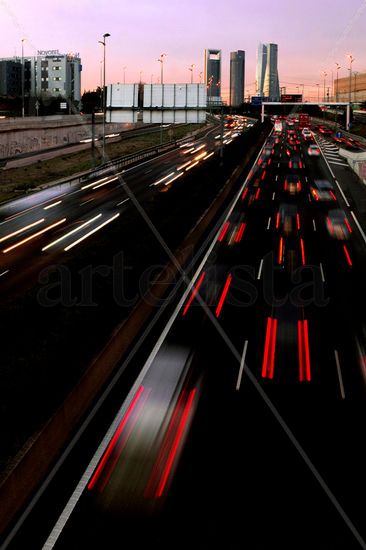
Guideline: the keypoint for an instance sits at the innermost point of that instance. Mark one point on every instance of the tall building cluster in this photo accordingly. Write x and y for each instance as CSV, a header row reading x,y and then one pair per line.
x,y
267,82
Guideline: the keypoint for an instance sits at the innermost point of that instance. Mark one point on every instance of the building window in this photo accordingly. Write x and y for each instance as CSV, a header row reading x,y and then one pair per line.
x,y
56,68
57,89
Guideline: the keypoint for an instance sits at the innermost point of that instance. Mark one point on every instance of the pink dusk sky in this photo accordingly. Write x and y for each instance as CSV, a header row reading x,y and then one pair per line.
x,y
312,36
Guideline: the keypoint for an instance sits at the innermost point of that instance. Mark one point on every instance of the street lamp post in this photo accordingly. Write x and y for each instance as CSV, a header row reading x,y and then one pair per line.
x,y
201,73
351,60
104,103
318,85
124,74
23,39
190,68
161,60
355,88
337,88
324,74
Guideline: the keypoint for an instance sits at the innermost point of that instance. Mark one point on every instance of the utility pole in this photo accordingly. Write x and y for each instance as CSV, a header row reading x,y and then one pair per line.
x,y
93,137
222,136
104,94
23,113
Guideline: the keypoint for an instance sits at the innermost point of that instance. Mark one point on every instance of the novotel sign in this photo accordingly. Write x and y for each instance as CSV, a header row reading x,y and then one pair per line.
x,y
48,52
57,52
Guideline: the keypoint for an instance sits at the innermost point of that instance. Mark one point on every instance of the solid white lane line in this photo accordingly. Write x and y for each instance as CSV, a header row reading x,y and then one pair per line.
x,y
260,269
340,379
314,226
322,272
242,363
341,191
86,202
358,226
122,202
4,272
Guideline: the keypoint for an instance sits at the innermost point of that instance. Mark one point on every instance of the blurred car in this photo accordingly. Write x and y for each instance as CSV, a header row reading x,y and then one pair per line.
x,y
295,163
337,224
313,150
325,130
292,184
323,190
287,220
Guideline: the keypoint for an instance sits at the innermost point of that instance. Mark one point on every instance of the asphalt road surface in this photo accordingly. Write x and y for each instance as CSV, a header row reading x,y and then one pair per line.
x,y
245,426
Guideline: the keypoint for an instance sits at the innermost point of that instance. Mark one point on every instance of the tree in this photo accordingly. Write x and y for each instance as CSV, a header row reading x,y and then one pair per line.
x,y
91,100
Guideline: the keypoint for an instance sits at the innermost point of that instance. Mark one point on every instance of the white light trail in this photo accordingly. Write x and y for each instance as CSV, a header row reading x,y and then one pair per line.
x,y
71,232
91,232
21,230
162,179
173,179
52,205
33,236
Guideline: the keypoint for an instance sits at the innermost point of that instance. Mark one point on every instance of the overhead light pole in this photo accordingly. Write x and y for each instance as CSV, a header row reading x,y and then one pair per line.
x,y
190,68
124,74
318,86
104,94
355,73
161,60
324,75
23,113
337,87
351,60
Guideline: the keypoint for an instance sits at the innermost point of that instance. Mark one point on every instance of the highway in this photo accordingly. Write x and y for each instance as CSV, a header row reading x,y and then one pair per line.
x,y
45,227
244,428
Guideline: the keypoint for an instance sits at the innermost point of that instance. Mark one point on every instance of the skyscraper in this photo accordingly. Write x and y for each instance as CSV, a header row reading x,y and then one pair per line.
x,y
267,71
261,68
237,77
213,75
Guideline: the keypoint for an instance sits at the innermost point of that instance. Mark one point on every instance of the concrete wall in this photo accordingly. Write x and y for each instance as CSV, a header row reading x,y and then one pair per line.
x,y
357,162
19,136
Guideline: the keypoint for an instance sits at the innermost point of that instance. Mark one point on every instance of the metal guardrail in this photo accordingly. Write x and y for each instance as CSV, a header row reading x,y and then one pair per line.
x,y
122,162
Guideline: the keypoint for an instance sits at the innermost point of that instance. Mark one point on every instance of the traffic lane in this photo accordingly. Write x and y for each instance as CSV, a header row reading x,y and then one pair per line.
x,y
73,215
134,473
32,215
220,312
52,193
217,469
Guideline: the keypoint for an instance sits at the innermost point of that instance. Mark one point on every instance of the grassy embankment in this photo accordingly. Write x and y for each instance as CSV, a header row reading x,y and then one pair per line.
x,y
17,181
